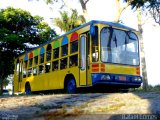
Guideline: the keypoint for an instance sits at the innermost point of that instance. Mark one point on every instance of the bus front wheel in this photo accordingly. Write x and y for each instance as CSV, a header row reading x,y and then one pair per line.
x,y
28,89
71,86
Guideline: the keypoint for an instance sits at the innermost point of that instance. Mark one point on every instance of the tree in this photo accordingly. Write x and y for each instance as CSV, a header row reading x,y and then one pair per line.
x,y
154,9
18,28
83,4
6,66
5,82
120,9
66,22
153,6
84,8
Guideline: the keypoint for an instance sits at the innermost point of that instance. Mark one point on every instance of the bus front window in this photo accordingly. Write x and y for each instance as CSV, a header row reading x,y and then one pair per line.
x,y
118,46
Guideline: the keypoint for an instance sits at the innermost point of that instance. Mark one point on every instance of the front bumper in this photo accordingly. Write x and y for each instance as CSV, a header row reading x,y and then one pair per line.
x,y
129,81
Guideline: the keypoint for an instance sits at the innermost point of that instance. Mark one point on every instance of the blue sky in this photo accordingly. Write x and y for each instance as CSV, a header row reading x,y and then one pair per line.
x,y
104,10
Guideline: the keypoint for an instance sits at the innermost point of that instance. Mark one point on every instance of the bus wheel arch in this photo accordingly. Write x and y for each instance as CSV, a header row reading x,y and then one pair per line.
x,y
27,88
70,85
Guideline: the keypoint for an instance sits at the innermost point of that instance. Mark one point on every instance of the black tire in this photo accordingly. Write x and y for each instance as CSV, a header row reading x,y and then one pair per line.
x,y
28,89
71,86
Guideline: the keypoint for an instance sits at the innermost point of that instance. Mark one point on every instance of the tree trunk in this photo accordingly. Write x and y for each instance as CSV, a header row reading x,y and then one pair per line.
x,y
83,5
84,8
142,53
119,12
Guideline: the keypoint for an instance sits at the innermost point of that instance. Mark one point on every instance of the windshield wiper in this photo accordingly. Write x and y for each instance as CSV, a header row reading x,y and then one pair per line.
x,y
115,40
130,37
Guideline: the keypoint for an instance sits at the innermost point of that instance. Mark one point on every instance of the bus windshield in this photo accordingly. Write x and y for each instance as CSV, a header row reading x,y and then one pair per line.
x,y
118,46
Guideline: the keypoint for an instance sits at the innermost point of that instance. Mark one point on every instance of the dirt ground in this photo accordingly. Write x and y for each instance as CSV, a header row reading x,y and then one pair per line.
x,y
88,106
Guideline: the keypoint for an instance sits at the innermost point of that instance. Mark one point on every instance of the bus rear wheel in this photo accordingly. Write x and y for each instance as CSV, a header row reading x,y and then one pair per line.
x,y
28,89
71,86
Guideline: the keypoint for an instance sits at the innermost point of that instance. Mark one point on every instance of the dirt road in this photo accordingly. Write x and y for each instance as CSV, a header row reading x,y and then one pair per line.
x,y
81,106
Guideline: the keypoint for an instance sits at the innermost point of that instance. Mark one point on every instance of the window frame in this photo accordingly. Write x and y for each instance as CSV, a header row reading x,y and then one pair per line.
x,y
92,38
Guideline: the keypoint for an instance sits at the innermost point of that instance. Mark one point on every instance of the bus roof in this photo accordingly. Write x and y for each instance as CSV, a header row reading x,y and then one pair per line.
x,y
88,23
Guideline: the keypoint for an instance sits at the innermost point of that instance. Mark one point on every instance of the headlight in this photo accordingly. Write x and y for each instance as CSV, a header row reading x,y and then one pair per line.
x,y
137,78
105,77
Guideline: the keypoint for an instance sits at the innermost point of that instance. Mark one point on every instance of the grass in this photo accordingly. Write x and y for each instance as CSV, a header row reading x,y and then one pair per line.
x,y
155,88
150,88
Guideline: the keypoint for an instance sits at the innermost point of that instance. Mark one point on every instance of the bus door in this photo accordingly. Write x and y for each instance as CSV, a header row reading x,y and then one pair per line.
x,y
84,59
19,70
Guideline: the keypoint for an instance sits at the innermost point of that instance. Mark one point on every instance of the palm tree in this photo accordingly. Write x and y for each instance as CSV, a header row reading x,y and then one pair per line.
x,y
66,22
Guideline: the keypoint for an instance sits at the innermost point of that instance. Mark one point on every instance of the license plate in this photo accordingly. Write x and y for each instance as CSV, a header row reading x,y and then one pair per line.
x,y
122,77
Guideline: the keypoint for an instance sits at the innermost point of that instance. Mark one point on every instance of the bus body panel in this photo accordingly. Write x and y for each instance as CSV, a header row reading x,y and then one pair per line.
x,y
15,84
116,69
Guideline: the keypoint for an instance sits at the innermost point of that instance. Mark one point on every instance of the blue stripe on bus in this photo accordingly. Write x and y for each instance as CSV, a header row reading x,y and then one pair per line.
x,y
114,79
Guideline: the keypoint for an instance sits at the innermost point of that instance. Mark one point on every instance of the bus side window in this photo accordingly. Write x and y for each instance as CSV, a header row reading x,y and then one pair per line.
x,y
73,60
35,60
74,47
42,58
29,72
48,52
95,48
63,63
25,69
55,53
47,67
55,65
41,69
30,62
64,50
35,71
17,66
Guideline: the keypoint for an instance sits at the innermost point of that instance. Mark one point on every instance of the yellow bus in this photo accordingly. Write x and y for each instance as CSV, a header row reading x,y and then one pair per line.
x,y
97,52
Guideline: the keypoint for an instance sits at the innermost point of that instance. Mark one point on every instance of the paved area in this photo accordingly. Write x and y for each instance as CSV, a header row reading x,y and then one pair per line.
x,y
80,106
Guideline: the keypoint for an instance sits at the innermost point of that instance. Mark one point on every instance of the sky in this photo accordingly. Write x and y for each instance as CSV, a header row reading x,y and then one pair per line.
x,y
104,10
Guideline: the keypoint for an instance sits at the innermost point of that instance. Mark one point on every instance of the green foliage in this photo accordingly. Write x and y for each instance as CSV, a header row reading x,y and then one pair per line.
x,y
66,22
5,82
6,66
18,27
152,5
136,3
